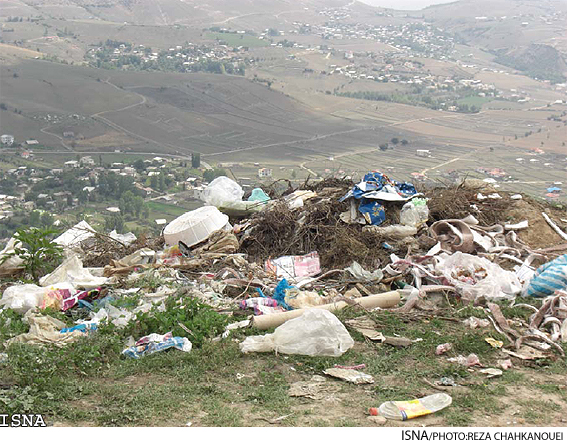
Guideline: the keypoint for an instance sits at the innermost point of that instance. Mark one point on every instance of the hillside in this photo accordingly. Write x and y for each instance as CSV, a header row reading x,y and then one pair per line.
x,y
541,61
162,112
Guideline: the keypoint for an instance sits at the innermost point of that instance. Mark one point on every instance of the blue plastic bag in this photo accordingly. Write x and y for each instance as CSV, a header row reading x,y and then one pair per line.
x,y
549,278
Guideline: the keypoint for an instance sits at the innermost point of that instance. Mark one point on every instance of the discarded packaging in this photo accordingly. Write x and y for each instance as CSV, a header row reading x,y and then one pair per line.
x,y
45,330
394,232
471,360
350,375
406,410
491,372
474,322
497,344
358,272
316,333
295,266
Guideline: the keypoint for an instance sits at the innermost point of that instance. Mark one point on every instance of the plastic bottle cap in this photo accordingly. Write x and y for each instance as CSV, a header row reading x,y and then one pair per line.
x,y
373,411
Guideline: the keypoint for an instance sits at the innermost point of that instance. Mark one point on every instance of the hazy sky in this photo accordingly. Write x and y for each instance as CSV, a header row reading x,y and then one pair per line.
x,y
405,4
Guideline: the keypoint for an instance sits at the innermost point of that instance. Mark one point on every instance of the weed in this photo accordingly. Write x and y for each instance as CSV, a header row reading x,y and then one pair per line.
x,y
198,318
39,254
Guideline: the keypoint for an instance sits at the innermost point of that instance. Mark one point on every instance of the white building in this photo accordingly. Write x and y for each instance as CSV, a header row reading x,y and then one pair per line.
x,y
264,172
7,140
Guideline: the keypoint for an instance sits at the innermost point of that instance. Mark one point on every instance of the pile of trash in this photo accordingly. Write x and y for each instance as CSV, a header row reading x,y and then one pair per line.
x,y
292,260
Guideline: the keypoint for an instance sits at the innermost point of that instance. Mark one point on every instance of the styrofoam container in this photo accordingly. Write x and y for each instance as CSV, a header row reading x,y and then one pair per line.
x,y
195,226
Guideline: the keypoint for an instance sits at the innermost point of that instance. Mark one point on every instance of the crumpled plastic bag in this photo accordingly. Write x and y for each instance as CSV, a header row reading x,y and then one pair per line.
x,y
12,264
221,191
414,213
22,298
127,239
316,333
476,276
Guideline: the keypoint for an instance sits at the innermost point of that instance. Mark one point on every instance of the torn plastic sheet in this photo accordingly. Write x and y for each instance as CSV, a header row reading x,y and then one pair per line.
x,y
74,236
358,272
72,271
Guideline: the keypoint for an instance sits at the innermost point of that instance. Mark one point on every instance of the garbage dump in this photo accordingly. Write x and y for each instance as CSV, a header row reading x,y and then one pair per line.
x,y
294,264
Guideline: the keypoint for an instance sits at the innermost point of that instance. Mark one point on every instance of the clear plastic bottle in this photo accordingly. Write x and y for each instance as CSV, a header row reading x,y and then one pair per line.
x,y
405,410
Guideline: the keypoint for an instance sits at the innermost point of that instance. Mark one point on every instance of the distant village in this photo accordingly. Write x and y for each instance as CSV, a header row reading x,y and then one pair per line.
x,y
90,181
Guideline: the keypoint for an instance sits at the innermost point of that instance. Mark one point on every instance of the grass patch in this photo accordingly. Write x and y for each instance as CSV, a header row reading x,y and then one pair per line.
x,y
235,40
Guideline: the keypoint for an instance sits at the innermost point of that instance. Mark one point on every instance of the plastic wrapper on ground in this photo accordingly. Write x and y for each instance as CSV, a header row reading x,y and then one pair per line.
x,y
316,333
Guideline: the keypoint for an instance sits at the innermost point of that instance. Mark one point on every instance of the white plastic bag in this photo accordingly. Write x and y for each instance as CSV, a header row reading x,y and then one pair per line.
x,y
316,333
12,264
476,276
414,213
22,298
221,191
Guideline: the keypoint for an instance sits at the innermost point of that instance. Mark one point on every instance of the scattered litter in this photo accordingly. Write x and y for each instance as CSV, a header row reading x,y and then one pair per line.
x,y
491,372
153,343
73,237
497,344
414,213
359,273
350,375
72,271
444,348
474,322
366,327
446,381
505,364
471,360
316,389
400,342
406,410
476,276
525,353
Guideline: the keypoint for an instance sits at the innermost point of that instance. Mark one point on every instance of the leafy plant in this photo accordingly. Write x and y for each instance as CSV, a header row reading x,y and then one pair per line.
x,y
36,250
181,315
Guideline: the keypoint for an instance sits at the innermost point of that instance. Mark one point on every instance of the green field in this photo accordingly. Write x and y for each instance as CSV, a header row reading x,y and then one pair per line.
x,y
474,100
237,39
164,210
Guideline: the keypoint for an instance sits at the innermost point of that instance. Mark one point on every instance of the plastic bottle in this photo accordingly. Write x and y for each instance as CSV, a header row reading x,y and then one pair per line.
x,y
405,410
